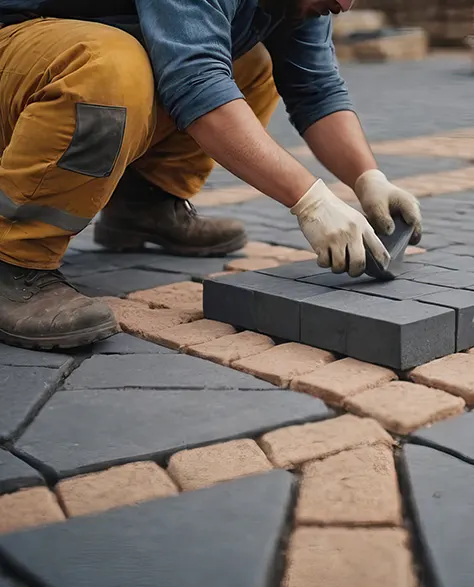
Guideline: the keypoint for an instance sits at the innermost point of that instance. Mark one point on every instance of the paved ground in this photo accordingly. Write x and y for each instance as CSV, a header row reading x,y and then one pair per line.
x,y
251,462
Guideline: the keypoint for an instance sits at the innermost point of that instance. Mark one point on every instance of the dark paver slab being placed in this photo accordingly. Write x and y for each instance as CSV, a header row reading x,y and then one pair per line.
x,y
462,302
442,500
228,535
385,327
166,371
15,473
259,302
23,390
88,429
454,435
6,580
122,282
448,278
124,344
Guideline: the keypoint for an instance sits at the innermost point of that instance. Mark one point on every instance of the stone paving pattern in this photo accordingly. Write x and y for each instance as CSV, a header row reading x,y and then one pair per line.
x,y
184,451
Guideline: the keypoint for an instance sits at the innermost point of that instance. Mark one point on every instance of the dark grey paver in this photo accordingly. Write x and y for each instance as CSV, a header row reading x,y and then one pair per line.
x,y
453,435
398,289
231,298
24,358
448,278
400,335
337,281
440,490
124,281
462,250
447,261
89,429
15,473
161,371
298,270
230,535
196,267
462,302
125,344
23,390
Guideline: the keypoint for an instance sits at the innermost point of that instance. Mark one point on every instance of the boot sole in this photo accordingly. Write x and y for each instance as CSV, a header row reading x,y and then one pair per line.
x,y
113,239
77,339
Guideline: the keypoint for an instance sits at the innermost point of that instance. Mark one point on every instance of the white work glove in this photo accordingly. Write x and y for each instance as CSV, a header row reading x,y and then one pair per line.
x,y
338,234
381,200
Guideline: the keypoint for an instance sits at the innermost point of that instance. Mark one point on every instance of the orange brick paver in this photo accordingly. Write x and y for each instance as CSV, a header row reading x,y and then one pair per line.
x,y
186,335
454,374
201,467
343,379
284,362
116,487
353,487
265,250
292,446
176,296
28,508
149,324
252,264
231,348
343,557
402,407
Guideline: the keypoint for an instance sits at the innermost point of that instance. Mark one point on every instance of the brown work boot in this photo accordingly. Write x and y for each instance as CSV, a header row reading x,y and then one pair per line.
x,y
40,310
140,213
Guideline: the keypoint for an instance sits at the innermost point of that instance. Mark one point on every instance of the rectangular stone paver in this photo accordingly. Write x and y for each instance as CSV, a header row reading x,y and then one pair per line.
x,y
27,508
402,407
148,324
353,487
119,486
342,379
342,557
292,446
202,467
282,363
186,335
454,374
231,348
186,295
252,264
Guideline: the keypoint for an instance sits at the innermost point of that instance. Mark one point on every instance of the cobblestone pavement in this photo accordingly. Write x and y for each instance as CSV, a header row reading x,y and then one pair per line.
x,y
182,452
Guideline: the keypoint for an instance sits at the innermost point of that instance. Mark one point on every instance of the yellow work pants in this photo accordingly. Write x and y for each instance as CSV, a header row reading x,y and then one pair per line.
x,y
77,106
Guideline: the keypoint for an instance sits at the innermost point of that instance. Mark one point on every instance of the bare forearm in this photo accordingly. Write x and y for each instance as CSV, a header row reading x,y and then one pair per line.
x,y
234,137
339,143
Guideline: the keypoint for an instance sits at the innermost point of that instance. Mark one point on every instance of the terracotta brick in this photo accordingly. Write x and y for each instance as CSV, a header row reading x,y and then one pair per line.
x,y
231,348
28,508
176,296
264,250
342,379
119,306
300,255
229,195
354,487
284,362
186,335
402,407
344,557
454,374
116,487
201,467
251,264
410,250
220,274
294,445
149,324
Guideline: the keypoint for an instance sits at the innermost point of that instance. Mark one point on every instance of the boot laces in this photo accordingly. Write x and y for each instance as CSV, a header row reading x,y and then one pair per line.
x,y
42,279
190,208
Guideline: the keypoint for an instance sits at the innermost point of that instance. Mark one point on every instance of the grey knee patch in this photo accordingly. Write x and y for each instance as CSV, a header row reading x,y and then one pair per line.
x,y
97,140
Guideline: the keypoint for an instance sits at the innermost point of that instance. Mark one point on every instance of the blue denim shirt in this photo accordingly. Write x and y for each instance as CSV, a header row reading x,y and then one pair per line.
x,y
193,43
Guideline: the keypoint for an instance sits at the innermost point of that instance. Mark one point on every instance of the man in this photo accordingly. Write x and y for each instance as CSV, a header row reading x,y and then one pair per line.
x,y
122,106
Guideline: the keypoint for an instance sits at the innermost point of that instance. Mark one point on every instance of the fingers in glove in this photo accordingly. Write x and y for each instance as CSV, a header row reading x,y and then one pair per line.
x,y
375,245
356,256
380,218
409,209
324,258
339,259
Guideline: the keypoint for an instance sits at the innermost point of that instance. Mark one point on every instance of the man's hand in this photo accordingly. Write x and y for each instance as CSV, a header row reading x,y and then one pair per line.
x,y
381,200
338,234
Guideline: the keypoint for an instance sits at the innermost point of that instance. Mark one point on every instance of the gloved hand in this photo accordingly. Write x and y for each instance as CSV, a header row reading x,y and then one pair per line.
x,y
337,232
381,200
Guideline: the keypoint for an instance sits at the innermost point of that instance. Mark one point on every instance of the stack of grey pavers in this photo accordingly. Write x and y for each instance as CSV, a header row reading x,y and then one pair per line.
x,y
425,314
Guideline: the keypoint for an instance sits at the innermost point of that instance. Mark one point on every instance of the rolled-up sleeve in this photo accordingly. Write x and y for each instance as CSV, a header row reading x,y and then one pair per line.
x,y
189,44
306,72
